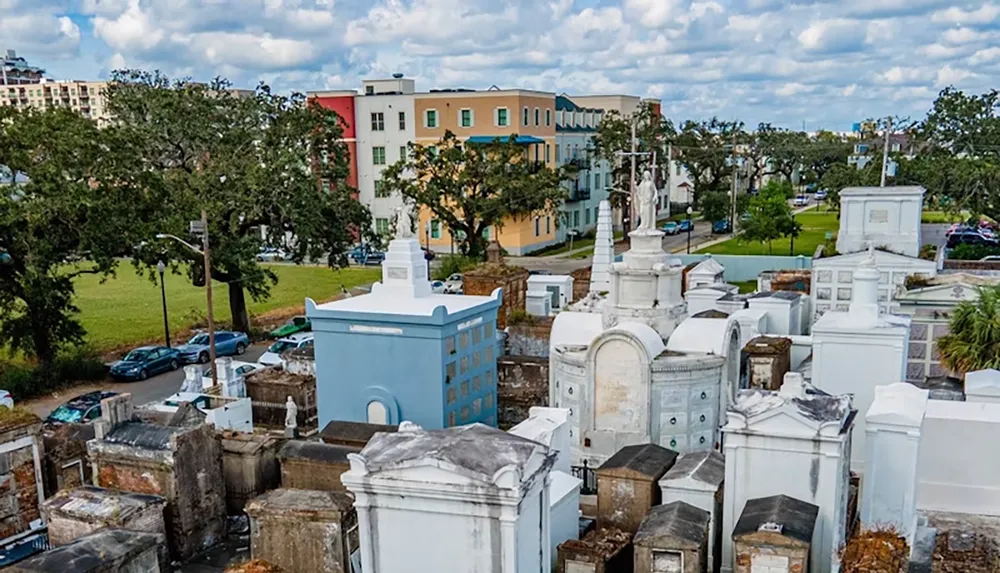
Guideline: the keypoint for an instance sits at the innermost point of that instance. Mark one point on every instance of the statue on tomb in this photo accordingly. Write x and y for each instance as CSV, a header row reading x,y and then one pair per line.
x,y
647,195
404,222
291,414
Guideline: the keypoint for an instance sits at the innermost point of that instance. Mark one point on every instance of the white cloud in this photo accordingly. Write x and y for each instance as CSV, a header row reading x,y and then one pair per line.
x,y
827,62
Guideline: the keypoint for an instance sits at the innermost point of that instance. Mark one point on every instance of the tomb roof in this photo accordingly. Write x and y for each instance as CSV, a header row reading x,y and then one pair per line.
x,y
795,518
315,451
677,519
91,502
706,467
646,459
91,552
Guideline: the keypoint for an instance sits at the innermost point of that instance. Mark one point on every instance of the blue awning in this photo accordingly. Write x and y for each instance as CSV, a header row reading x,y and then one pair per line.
x,y
524,139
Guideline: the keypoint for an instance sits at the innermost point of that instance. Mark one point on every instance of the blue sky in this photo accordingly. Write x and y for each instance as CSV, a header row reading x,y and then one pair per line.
x,y
825,63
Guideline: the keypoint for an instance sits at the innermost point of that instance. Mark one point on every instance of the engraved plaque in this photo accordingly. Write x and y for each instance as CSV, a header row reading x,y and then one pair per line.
x,y
398,273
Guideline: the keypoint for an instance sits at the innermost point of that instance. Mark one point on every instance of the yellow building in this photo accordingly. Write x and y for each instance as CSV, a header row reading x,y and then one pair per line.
x,y
84,97
482,116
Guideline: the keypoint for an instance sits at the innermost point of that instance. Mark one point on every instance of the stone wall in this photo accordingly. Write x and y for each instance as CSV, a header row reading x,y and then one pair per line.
x,y
581,282
530,338
959,265
313,465
20,437
600,551
249,467
522,382
486,278
769,546
65,464
269,388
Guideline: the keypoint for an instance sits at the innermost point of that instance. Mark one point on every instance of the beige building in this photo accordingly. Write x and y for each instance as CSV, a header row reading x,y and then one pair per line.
x,y
84,97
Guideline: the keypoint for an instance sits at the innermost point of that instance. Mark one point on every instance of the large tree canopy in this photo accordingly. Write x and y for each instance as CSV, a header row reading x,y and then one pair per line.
x,y
72,195
266,168
706,149
472,187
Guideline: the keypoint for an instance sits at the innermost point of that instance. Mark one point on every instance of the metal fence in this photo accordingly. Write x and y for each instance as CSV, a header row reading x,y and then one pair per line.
x,y
586,473
273,414
23,546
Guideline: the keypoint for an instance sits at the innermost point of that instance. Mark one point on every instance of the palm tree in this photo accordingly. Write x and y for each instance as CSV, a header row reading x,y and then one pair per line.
x,y
974,339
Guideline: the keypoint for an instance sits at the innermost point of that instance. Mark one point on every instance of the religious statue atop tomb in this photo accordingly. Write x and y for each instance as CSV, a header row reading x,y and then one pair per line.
x,y
646,196
404,222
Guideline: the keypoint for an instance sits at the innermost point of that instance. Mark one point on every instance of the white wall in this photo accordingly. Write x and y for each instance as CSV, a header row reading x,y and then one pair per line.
x,y
959,470
885,216
392,139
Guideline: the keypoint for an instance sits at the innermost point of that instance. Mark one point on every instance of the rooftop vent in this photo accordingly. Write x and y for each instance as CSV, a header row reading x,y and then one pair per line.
x,y
397,75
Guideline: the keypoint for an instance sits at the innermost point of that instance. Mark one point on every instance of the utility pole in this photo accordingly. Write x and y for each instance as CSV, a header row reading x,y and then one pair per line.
x,y
670,175
732,198
885,150
208,295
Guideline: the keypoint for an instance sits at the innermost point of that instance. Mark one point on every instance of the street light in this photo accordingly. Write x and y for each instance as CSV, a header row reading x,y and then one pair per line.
x,y
689,211
160,267
206,253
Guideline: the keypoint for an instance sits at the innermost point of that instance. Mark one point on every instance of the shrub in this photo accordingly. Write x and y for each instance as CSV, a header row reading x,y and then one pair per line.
x,y
928,252
25,380
452,264
966,252
520,317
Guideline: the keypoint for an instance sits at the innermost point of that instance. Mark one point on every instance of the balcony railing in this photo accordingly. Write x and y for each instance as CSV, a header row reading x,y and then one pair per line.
x,y
589,478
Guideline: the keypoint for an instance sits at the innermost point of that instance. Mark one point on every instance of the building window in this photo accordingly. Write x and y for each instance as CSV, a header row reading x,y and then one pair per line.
x,y
488,354
489,400
431,118
576,218
486,233
548,225
538,117
502,120
449,372
524,116
380,190
475,360
449,345
586,216
465,389
548,117
463,340
557,154
477,336
378,156
464,365
536,226
436,234
465,414
432,150
381,226
488,378
477,384
451,420
477,406
402,152
402,121
548,152
369,90
378,121
466,118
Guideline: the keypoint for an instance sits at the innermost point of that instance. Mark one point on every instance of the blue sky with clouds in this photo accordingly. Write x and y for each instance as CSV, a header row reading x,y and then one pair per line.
x,y
827,63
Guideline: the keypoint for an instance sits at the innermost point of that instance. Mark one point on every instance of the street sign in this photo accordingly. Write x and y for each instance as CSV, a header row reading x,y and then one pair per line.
x,y
196,228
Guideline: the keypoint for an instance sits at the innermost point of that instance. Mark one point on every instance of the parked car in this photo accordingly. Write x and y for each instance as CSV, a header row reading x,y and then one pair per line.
x,y
83,408
686,225
226,344
970,237
293,325
273,355
540,272
146,361
820,195
721,227
271,254
454,285
6,399
428,254
239,368
671,228
364,255
990,259
437,287
801,200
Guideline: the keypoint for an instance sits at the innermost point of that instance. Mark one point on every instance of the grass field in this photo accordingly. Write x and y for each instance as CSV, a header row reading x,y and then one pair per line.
x,y
746,287
943,217
815,226
127,309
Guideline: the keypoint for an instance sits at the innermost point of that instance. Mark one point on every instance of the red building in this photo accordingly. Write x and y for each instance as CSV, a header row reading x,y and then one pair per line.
x,y
342,102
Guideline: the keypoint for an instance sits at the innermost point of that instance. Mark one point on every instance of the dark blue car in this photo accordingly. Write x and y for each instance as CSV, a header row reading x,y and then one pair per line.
x,y
146,361
367,256
686,225
226,344
721,227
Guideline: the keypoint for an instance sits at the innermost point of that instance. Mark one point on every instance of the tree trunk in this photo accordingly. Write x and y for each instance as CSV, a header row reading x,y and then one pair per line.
x,y
238,308
41,338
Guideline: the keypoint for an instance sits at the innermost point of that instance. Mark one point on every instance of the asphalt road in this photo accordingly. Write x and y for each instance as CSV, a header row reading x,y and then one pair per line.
x,y
154,389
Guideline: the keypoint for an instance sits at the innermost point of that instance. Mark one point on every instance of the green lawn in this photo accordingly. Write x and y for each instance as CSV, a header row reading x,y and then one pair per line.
x,y
815,226
746,287
943,217
126,309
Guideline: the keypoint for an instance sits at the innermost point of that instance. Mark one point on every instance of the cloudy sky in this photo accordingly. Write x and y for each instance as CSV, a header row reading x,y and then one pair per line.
x,y
827,63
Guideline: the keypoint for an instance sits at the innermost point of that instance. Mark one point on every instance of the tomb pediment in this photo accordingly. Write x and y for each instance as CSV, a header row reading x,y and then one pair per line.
x,y
947,293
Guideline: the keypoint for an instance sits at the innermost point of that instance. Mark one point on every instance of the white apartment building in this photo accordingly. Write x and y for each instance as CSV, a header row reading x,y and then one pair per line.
x,y
576,127
384,120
